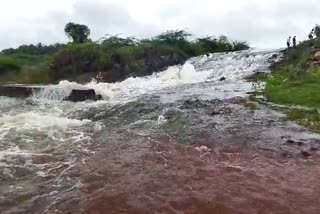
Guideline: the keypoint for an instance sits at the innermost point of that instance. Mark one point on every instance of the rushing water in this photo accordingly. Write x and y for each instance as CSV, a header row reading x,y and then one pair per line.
x,y
178,141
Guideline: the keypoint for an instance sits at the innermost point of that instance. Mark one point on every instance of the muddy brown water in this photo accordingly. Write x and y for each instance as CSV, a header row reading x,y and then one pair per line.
x,y
241,161
179,179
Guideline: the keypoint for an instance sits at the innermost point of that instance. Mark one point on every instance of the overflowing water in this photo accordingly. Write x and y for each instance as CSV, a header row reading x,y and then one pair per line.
x,y
44,140
46,118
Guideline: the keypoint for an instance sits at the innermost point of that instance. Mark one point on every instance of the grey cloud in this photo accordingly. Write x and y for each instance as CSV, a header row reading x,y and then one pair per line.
x,y
265,24
101,18
261,25
110,19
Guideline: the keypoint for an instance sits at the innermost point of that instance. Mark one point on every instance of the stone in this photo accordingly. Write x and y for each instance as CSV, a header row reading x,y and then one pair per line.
x,y
286,155
300,143
305,154
290,142
82,95
18,91
203,149
273,58
214,113
315,58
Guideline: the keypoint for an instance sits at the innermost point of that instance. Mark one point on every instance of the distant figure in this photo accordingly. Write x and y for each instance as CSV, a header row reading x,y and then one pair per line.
x,y
311,34
294,41
289,42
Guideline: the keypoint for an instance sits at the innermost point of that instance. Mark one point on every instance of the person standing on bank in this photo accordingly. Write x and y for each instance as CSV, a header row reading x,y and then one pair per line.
x,y
289,42
311,34
294,41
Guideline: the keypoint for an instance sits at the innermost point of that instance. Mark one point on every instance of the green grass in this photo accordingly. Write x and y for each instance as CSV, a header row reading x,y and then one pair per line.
x,y
307,118
287,87
295,82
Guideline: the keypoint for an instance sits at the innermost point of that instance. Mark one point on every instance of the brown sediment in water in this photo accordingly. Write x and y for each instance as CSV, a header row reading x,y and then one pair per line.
x,y
164,177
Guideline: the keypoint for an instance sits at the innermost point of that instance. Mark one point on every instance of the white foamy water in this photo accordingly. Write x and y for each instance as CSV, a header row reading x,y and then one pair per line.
x,y
233,66
200,76
33,120
46,121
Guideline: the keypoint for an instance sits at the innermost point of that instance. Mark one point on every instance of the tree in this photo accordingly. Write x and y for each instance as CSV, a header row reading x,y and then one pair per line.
x,y
114,42
78,33
173,36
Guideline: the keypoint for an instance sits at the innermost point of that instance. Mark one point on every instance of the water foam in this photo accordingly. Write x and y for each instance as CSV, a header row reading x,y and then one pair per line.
x,y
36,120
49,113
134,87
232,66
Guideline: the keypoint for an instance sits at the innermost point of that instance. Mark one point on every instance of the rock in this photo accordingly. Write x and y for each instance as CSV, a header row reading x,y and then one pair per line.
x,y
313,149
286,155
305,154
314,49
273,58
222,79
214,113
18,91
300,143
291,142
82,95
316,56
203,149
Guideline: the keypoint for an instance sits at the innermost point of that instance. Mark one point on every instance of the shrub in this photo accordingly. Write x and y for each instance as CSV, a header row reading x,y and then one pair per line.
x,y
8,64
114,57
115,42
240,45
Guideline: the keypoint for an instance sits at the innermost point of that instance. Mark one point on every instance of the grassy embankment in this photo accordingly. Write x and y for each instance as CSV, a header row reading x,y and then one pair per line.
x,y
295,82
113,57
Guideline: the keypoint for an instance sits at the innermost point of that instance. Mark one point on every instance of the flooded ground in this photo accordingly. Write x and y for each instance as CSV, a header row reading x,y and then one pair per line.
x,y
181,141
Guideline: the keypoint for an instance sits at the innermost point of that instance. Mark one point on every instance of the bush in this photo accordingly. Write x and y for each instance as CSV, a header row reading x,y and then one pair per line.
x,y
240,45
115,42
8,64
79,58
114,57
38,49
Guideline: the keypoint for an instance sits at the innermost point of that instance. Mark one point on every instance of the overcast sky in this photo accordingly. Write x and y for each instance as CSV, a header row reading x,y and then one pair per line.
x,y
264,24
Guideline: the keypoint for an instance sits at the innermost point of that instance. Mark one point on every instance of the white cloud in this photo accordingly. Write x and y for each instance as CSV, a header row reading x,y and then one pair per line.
x,y
263,24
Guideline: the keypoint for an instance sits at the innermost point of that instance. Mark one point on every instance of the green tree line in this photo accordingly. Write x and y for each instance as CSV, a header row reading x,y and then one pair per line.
x,y
113,56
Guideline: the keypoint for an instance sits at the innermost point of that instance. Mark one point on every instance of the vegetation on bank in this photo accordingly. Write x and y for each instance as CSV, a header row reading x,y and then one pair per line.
x,y
295,82
112,58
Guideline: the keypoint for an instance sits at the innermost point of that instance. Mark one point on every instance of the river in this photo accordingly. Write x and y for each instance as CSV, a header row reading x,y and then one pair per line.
x,y
183,140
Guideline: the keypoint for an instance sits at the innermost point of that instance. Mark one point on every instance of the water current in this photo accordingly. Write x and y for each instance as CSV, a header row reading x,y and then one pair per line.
x,y
179,141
